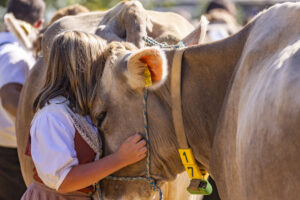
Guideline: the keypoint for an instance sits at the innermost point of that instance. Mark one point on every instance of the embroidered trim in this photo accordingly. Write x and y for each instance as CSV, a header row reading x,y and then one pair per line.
x,y
86,131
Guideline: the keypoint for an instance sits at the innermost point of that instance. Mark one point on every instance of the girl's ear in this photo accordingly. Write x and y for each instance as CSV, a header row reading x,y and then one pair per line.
x,y
147,67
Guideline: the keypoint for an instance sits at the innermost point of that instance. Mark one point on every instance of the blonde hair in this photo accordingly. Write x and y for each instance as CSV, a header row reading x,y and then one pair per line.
x,y
76,61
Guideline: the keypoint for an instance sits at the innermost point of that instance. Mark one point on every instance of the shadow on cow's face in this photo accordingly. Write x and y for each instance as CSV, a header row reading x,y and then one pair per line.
x,y
120,98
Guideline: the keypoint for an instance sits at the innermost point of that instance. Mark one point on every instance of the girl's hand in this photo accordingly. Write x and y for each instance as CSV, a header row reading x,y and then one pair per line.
x,y
132,150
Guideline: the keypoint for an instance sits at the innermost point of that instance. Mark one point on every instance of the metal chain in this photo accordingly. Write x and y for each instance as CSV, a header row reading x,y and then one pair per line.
x,y
151,42
146,131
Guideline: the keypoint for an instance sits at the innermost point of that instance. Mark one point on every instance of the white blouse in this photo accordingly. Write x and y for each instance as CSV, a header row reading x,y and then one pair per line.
x,y
52,142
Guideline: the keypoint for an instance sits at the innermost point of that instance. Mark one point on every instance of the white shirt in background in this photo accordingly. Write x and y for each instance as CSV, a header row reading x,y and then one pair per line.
x,y
15,63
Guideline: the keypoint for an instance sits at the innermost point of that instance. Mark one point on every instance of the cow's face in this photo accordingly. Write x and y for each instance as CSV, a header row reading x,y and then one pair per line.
x,y
119,113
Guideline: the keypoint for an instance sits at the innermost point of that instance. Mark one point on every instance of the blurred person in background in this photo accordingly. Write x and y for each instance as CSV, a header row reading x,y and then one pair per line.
x,y
15,63
221,15
252,12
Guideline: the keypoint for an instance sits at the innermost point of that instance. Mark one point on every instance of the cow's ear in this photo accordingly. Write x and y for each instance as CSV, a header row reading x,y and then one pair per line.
x,y
198,35
147,67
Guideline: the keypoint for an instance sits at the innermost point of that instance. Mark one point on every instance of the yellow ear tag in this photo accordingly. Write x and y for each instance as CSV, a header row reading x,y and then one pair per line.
x,y
147,75
26,27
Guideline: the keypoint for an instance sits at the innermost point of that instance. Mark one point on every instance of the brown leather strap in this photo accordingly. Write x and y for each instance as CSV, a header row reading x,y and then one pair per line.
x,y
176,99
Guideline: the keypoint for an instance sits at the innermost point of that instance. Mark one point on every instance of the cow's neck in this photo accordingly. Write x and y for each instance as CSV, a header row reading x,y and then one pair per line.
x,y
207,72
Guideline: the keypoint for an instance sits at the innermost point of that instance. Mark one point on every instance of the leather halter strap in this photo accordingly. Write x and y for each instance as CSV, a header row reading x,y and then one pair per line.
x,y
198,183
176,99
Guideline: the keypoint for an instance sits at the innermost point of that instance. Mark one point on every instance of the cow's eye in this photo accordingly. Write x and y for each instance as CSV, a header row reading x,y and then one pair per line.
x,y
101,118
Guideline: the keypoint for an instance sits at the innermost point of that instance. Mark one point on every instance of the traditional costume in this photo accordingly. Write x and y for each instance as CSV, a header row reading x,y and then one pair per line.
x,y
59,140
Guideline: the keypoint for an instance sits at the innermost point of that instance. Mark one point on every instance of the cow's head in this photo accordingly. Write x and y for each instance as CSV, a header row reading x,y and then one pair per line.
x,y
118,112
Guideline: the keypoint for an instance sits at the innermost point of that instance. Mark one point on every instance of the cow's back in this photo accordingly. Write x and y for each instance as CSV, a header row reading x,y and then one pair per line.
x,y
257,145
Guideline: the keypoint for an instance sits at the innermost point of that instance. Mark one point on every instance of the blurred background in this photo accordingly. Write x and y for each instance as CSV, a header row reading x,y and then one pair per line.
x,y
191,9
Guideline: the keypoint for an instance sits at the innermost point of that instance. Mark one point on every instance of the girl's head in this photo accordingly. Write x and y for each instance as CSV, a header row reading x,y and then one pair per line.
x,y
76,60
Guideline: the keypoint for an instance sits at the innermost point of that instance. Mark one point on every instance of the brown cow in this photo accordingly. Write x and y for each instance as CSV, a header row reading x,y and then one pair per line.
x,y
240,109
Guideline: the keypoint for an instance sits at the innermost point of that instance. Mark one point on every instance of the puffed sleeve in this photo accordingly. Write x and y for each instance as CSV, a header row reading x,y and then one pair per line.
x,y
52,145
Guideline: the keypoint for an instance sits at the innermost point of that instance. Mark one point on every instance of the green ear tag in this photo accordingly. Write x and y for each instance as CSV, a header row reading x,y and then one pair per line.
x,y
200,186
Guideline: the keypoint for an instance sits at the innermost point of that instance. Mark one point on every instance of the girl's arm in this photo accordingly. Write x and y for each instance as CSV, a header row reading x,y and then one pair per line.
x,y
81,176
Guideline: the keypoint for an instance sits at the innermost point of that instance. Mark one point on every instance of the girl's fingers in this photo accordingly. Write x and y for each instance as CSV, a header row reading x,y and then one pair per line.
x,y
141,143
143,150
141,156
135,138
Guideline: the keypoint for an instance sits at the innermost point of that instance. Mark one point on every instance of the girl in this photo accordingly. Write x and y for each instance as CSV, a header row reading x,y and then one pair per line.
x,y
64,144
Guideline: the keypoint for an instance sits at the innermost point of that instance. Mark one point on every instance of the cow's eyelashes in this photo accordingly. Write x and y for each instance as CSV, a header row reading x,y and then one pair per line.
x,y
101,118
